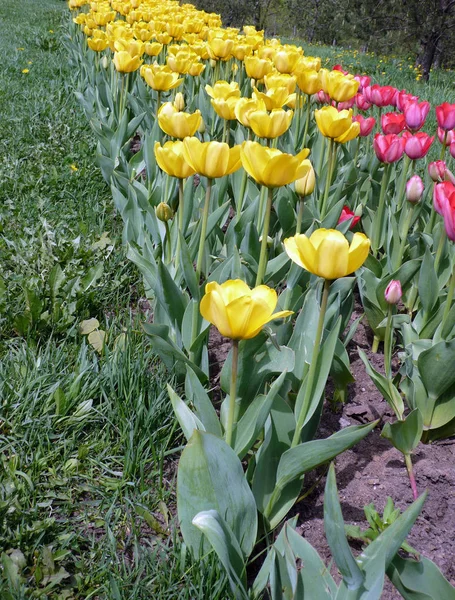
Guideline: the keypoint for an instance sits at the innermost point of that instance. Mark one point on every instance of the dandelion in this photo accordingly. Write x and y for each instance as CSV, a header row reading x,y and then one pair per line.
x,y
25,71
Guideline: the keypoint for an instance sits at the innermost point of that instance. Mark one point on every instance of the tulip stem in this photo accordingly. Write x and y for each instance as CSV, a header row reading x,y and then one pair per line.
x,y
241,195
307,120
448,300
312,370
404,237
388,343
412,481
444,146
404,176
328,179
377,229
440,248
158,104
232,392
298,226
180,224
167,259
223,139
261,206
357,148
265,232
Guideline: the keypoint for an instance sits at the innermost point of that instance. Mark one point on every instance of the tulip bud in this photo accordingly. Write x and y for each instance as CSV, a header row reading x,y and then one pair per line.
x,y
269,241
414,189
437,170
393,292
449,176
201,128
164,212
179,101
253,82
105,62
305,185
212,63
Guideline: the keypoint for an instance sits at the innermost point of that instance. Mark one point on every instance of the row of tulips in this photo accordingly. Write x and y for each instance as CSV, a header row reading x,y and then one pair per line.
x,y
227,121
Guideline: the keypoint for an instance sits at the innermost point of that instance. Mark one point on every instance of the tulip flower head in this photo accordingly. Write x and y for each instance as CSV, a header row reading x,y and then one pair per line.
x,y
366,124
270,125
437,170
171,160
347,214
414,189
417,145
446,137
445,115
272,168
380,95
306,184
415,114
178,124
237,311
327,253
211,159
337,125
392,123
388,148
393,292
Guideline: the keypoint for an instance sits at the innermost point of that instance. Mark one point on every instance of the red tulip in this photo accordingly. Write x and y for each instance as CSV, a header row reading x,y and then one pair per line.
x,y
347,214
340,68
345,105
403,98
380,95
392,123
445,115
444,204
417,145
388,148
415,114
366,124
361,102
364,81
446,137
437,170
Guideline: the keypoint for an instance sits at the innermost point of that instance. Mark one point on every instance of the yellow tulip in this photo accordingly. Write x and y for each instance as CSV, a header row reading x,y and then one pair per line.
x,y
270,125
274,80
350,134
306,63
171,160
333,123
220,48
133,47
244,107
211,159
196,69
339,87
181,62
305,186
237,311
285,61
309,82
257,68
272,168
327,252
160,78
241,51
275,97
225,108
153,48
125,63
97,44
223,90
178,124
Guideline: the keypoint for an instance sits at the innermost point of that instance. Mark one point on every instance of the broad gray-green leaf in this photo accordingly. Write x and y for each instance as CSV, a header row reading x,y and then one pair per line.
x,y
210,477
432,364
405,435
419,580
186,418
196,393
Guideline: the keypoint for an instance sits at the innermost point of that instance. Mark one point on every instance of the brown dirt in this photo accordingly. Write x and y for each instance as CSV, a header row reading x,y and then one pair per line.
x,y
374,470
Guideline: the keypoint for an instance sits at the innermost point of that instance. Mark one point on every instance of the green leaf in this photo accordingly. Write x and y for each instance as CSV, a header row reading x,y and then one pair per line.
x,y
92,276
226,546
210,477
188,268
432,365
253,420
205,411
336,537
385,386
170,296
304,457
428,282
419,580
188,421
56,278
405,435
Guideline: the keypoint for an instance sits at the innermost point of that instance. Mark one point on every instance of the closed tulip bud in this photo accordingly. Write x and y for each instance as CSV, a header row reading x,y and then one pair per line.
x,y
179,101
105,62
414,189
392,123
305,185
436,170
417,145
415,114
164,212
393,292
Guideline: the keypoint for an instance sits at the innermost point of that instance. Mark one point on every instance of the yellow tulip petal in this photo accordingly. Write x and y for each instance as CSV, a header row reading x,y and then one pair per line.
x,y
290,245
239,313
265,294
232,289
214,311
358,252
332,256
307,252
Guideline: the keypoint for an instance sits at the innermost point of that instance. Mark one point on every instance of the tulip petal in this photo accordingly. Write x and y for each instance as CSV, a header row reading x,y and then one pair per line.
x,y
214,311
232,289
265,294
300,250
239,313
358,252
332,256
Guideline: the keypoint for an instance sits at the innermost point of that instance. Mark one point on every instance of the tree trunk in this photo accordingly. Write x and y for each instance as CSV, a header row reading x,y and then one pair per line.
x,y
429,51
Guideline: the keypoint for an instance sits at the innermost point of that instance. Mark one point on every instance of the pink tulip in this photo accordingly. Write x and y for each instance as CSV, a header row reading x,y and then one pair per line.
x,y
366,124
393,292
415,114
347,214
444,204
403,98
446,137
361,102
388,148
414,189
364,81
345,105
380,95
445,115
437,170
417,145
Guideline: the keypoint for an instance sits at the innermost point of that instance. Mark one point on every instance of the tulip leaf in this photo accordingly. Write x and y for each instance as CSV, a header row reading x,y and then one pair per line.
x,y
210,477
336,537
419,580
188,268
309,455
405,435
302,339
204,409
277,268
253,420
428,282
227,548
432,365
188,421
170,296
385,386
